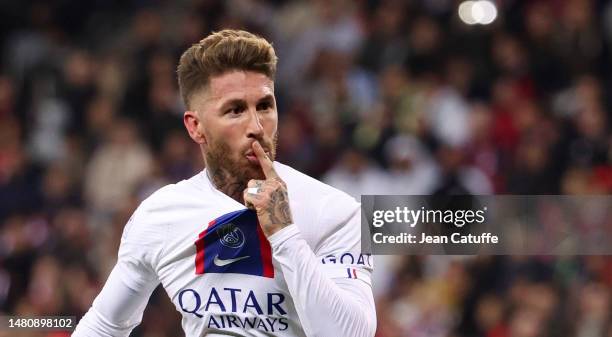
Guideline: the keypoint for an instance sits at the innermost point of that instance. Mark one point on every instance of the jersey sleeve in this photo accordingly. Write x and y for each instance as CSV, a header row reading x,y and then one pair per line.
x,y
340,252
331,287
118,308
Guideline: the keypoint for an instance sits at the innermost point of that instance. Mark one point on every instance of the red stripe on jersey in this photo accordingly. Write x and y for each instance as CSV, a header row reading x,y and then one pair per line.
x,y
199,261
354,272
266,253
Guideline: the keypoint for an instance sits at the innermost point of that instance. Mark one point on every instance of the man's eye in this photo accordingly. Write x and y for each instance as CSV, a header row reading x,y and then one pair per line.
x,y
233,111
263,106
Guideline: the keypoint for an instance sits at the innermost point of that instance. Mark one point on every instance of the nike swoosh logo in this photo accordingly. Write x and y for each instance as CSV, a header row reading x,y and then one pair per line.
x,y
222,263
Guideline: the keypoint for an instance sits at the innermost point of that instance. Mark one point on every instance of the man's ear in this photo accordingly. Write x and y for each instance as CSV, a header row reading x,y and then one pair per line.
x,y
192,124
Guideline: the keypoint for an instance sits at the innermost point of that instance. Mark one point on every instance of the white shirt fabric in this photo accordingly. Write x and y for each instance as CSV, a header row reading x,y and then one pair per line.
x,y
321,284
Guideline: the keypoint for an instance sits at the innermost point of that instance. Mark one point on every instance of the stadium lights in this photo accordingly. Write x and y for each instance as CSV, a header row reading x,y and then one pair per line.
x,y
481,12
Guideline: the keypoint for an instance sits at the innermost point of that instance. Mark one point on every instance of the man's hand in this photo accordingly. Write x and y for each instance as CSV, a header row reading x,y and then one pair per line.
x,y
268,197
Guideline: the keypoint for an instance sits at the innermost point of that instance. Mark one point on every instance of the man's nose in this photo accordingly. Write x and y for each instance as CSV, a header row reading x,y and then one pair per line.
x,y
255,128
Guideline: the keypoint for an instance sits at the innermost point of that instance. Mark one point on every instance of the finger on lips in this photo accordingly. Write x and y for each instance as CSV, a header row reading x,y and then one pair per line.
x,y
266,164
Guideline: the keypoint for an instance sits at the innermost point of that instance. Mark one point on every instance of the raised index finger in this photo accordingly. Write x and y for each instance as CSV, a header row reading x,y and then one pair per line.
x,y
266,164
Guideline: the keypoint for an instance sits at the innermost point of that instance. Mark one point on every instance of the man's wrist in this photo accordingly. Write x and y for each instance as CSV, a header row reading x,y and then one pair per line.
x,y
273,229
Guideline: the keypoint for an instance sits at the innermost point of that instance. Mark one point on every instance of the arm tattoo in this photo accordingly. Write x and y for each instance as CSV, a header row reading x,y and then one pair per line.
x,y
279,210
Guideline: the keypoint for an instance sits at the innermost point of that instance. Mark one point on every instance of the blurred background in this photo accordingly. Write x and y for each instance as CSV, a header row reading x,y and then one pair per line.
x,y
374,97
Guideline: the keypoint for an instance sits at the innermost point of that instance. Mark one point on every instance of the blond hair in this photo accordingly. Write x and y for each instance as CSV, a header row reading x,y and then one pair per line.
x,y
221,52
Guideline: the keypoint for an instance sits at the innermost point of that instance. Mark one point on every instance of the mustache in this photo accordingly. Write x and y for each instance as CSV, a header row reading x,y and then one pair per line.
x,y
268,146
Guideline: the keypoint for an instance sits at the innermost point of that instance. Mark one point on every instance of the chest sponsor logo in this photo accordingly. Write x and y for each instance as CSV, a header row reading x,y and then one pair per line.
x,y
236,308
234,243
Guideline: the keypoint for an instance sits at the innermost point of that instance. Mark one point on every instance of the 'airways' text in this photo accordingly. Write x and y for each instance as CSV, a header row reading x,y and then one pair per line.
x,y
269,324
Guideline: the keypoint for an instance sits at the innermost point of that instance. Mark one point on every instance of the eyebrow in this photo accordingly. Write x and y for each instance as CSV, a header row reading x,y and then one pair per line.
x,y
234,101
266,98
240,101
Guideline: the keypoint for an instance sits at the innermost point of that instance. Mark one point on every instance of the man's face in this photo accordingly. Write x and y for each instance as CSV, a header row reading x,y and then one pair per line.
x,y
235,110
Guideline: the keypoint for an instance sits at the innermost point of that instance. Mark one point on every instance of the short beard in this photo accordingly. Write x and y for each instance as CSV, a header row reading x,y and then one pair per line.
x,y
230,176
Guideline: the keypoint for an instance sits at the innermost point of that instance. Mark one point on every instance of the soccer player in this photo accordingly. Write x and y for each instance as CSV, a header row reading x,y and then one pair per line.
x,y
249,246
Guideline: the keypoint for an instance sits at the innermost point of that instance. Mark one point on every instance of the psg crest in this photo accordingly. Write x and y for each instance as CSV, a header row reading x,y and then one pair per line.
x,y
230,236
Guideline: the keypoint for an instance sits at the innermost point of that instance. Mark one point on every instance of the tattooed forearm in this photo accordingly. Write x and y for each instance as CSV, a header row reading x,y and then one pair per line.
x,y
278,209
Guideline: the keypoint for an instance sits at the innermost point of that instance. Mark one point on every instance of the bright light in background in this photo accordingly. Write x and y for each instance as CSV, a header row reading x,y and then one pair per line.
x,y
481,12
465,12
486,10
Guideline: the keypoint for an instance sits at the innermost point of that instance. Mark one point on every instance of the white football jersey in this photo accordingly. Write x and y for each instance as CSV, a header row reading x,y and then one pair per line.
x,y
227,279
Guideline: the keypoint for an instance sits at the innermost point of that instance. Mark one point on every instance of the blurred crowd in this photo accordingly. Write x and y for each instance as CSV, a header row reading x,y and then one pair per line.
x,y
374,97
